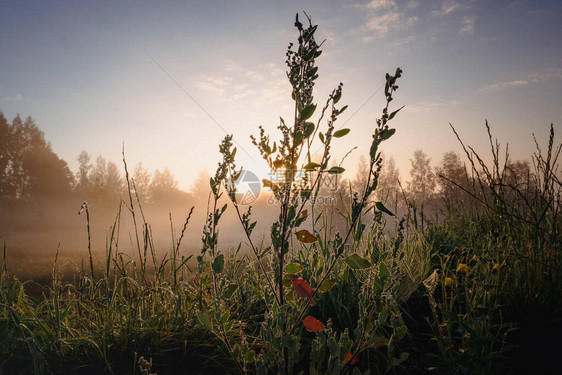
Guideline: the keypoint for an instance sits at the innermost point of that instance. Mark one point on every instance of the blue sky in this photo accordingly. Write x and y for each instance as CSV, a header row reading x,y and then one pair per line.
x,y
90,74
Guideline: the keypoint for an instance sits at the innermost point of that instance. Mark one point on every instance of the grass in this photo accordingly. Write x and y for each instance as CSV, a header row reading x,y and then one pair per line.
x,y
476,291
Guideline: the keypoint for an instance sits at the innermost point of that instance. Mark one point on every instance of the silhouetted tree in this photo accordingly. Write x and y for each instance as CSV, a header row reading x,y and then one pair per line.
x,y
113,181
201,188
97,178
5,158
142,179
388,188
164,190
28,166
106,183
453,180
358,184
422,184
82,177
48,176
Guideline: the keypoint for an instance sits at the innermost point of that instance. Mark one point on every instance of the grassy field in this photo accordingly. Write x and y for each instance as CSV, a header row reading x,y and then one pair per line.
x,y
476,290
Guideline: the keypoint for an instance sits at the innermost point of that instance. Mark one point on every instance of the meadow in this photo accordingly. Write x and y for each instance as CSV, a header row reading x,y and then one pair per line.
x,y
466,282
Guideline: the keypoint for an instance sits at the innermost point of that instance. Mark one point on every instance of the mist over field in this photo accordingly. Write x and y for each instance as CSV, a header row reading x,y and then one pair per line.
x,y
43,206
363,187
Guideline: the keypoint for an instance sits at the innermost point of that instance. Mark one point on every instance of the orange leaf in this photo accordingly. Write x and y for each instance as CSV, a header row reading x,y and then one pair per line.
x,y
303,289
305,236
312,324
349,358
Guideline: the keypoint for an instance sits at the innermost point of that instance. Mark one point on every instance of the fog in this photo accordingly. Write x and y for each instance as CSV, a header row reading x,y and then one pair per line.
x,y
34,233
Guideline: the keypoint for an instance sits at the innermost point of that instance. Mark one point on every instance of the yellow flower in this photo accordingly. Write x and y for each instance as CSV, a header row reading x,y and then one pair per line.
x,y
462,268
473,259
448,282
496,267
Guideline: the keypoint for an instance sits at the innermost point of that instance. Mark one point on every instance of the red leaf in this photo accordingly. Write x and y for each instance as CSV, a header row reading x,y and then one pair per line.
x,y
349,358
303,289
312,324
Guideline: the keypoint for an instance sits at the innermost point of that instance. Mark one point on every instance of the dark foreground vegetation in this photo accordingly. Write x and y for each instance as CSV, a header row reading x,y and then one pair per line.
x,y
404,281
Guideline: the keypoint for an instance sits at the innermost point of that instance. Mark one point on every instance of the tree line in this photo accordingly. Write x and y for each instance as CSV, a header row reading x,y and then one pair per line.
x,y
31,172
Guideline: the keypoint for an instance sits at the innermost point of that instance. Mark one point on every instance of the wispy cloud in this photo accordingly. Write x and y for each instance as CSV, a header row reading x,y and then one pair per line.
x,y
381,4
384,16
447,7
13,97
467,25
404,41
236,83
412,4
216,85
429,105
505,84
534,77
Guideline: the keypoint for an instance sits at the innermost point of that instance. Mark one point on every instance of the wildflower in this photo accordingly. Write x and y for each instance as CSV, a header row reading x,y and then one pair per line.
x,y
448,282
473,259
462,268
496,267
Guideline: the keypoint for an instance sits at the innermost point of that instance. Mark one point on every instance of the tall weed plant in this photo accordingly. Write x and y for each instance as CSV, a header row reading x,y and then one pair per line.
x,y
328,299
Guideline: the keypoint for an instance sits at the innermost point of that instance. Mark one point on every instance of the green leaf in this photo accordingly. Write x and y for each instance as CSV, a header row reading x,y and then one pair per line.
x,y
374,147
383,315
337,97
340,133
378,341
321,136
336,170
327,285
387,134
229,290
308,129
250,356
380,206
224,317
205,320
384,273
291,214
287,279
218,264
309,55
298,138
293,268
342,109
307,112
377,285
269,184
356,262
312,71
394,113
302,217
311,166
401,332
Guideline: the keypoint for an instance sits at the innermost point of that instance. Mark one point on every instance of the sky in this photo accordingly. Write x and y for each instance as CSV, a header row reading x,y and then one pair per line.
x,y
169,79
